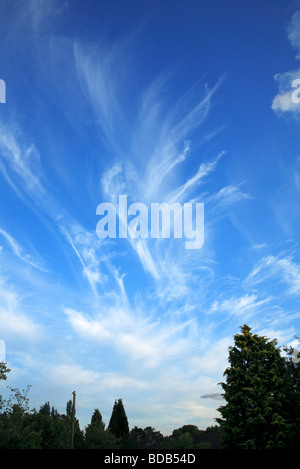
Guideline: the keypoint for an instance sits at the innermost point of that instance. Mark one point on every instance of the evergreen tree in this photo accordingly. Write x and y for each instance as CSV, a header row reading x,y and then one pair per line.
x,y
118,424
69,408
292,389
95,437
45,409
255,415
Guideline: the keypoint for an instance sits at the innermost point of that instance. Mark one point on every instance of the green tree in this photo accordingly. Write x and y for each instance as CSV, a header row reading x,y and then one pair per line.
x,y
3,370
180,441
78,433
45,409
191,429
118,424
145,438
292,389
255,415
18,398
69,408
95,436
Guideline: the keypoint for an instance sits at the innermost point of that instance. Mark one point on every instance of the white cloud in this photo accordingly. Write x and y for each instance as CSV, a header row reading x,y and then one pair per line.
x,y
87,248
284,101
228,195
77,376
19,252
294,32
19,161
285,269
148,149
203,171
243,307
140,339
14,322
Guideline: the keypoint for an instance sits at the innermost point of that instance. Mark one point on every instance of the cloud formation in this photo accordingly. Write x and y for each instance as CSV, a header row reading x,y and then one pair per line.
x,y
288,82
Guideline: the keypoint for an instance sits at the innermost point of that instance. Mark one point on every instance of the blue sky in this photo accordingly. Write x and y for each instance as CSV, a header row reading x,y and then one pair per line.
x,y
185,101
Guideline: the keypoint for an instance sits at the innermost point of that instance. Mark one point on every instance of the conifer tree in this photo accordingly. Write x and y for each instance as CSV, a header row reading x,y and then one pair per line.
x,y
255,416
118,424
95,436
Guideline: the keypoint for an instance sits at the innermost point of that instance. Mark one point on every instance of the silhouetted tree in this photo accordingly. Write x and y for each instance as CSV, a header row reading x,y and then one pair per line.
x,y
45,409
118,424
145,438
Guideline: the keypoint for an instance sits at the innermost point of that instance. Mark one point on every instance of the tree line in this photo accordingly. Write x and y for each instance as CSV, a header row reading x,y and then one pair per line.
x,y
21,428
261,411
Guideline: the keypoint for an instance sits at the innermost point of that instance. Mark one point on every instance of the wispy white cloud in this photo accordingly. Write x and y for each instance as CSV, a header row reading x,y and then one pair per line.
x,y
40,12
85,245
294,32
79,377
19,252
244,307
226,196
284,269
143,167
20,161
102,76
139,338
283,102
203,171
14,320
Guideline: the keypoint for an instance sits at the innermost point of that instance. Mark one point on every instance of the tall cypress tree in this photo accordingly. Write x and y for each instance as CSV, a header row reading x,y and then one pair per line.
x,y
254,416
118,424
95,437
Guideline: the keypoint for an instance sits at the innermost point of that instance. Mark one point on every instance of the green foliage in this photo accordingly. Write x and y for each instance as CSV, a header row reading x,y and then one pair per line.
x,y
145,438
256,415
19,398
182,441
3,370
190,437
45,409
24,429
292,391
118,424
190,429
95,435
